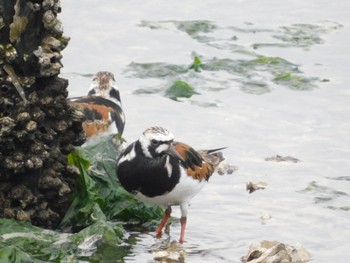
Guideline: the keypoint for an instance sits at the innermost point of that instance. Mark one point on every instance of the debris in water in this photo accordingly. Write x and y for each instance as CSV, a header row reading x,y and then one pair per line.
x,y
279,158
252,187
226,168
265,217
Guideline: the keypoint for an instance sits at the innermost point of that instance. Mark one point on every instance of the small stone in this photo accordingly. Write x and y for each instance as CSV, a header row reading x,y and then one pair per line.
x,y
226,168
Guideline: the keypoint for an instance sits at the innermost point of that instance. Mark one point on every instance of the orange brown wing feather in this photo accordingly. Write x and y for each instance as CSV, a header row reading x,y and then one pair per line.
x,y
95,124
196,166
101,109
95,127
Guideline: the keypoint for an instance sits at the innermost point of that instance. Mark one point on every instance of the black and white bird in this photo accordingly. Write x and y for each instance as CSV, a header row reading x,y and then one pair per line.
x,y
102,106
159,170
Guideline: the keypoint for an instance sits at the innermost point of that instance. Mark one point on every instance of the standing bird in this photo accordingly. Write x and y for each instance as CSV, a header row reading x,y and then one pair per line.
x,y
102,106
158,170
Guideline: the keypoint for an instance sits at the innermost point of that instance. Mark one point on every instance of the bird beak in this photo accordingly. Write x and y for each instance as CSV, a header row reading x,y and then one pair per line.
x,y
172,152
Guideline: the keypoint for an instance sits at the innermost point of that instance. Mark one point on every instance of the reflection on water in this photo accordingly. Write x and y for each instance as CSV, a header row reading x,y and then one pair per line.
x,y
293,54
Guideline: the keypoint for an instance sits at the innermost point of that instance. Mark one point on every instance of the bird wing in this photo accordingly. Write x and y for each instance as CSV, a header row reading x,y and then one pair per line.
x,y
99,113
196,166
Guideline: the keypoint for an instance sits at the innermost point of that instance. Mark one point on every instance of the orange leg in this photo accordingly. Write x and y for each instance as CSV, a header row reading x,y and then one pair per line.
x,y
183,221
164,220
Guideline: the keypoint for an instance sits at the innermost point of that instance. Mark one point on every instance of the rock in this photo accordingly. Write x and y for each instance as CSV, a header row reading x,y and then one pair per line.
x,y
226,168
172,252
275,252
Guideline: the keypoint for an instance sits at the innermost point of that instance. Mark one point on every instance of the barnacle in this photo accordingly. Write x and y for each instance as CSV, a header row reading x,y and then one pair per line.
x,y
52,24
9,52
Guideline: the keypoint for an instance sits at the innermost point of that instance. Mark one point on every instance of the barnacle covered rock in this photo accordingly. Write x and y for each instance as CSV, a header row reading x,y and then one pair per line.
x,y
37,125
52,24
22,194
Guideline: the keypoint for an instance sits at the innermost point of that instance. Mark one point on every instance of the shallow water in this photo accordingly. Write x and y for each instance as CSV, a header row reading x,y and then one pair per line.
x,y
259,106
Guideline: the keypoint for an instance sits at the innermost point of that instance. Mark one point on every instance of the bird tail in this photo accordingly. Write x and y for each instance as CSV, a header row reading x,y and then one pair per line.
x,y
214,156
215,150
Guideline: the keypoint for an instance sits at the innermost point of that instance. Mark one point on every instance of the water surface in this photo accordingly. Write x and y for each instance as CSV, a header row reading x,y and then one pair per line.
x,y
273,81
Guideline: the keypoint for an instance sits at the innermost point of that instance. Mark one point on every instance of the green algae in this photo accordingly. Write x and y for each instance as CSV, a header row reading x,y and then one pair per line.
x,y
191,27
179,89
197,64
194,27
101,196
156,69
255,76
254,73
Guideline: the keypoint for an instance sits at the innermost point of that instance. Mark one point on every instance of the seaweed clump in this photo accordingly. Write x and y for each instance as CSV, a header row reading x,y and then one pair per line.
x,y
38,128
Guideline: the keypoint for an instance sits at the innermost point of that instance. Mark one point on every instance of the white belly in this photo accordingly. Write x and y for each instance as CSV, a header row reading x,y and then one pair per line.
x,y
182,193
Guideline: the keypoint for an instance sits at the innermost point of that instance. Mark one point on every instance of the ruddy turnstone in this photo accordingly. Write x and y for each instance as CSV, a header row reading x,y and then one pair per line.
x,y
102,106
159,170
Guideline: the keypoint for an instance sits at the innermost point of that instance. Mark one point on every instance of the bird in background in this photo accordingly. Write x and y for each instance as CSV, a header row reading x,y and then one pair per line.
x,y
157,169
101,107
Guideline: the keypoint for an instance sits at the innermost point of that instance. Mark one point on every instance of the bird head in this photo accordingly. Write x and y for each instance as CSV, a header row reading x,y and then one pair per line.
x,y
157,142
104,85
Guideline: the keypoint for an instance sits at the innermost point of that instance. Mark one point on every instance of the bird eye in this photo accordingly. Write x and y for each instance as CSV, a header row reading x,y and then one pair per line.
x,y
155,142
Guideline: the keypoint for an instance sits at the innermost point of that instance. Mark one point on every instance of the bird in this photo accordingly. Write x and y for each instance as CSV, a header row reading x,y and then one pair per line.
x,y
158,170
102,107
